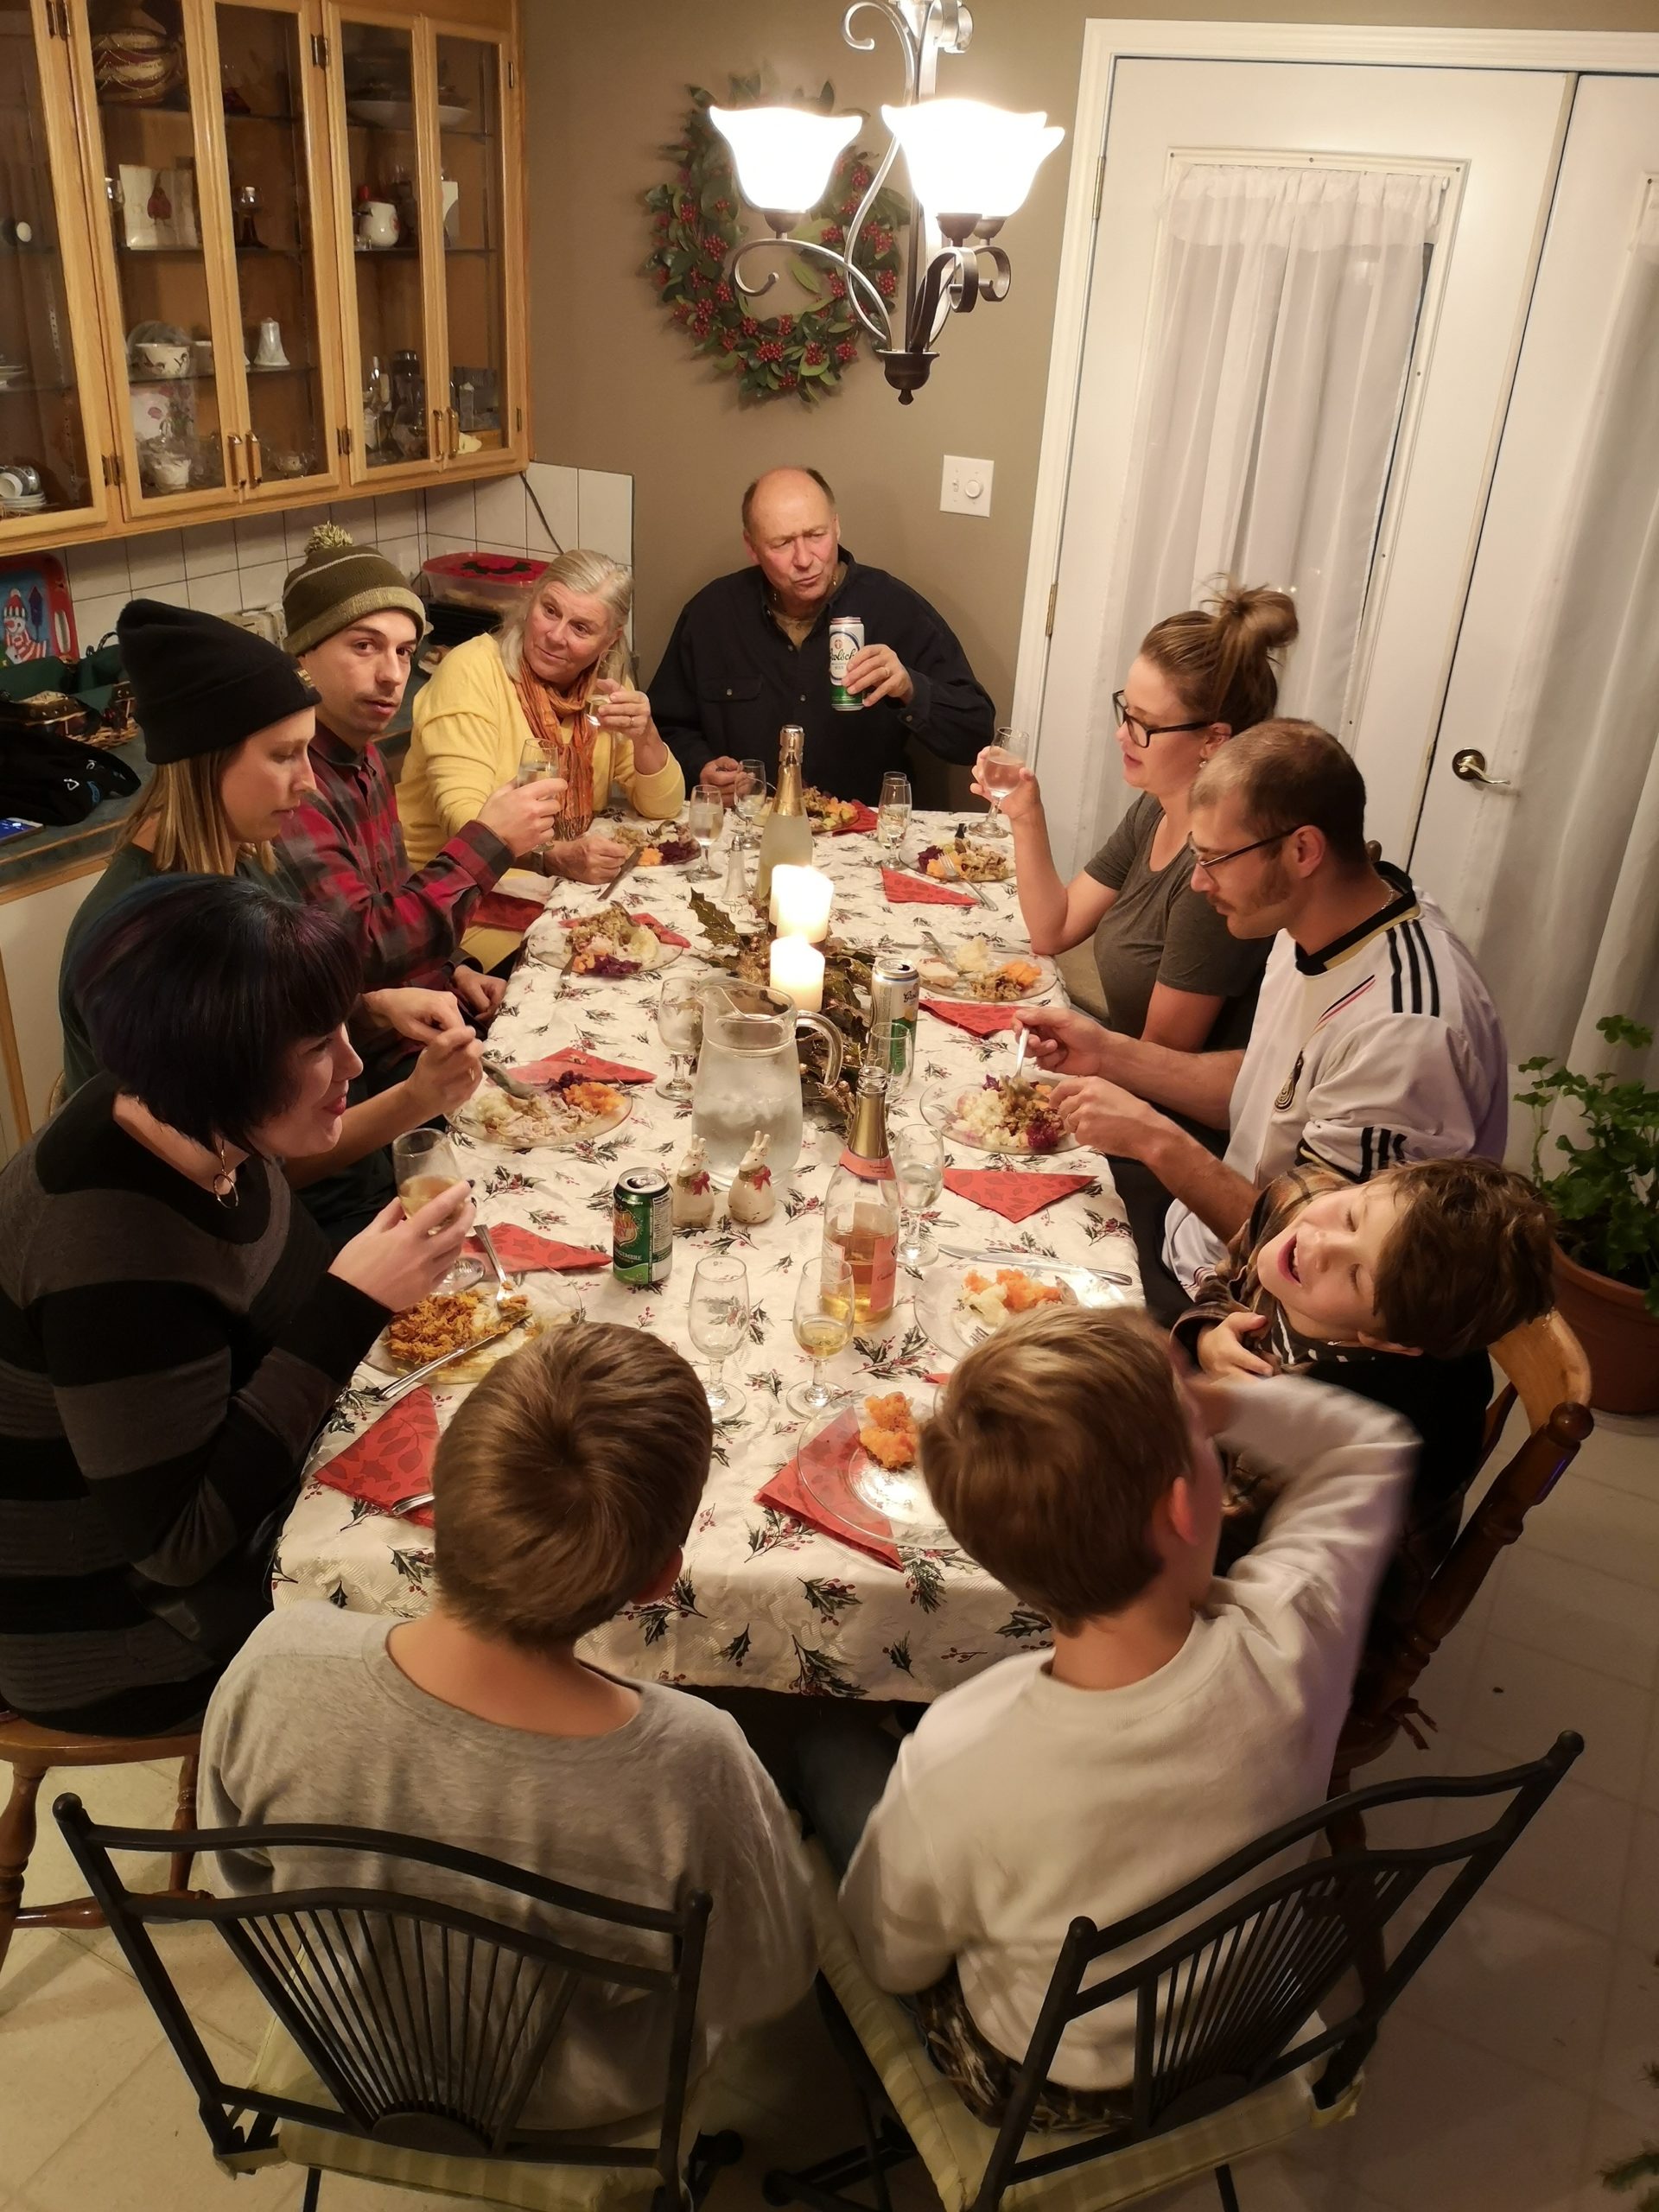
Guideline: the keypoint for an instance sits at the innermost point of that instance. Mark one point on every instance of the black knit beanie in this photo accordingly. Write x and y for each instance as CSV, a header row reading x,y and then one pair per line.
x,y
199,683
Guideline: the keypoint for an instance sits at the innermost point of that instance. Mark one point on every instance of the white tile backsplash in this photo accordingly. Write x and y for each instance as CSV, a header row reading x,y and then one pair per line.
x,y
396,514
218,594
95,614
156,559
100,567
500,509
451,512
261,537
604,512
262,586
209,550
555,488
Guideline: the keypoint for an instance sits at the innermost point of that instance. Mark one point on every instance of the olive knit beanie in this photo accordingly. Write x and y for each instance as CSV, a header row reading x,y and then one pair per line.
x,y
338,583
200,684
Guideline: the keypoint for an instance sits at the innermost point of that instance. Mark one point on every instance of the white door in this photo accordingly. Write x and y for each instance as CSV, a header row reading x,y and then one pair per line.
x,y
1493,135
1528,867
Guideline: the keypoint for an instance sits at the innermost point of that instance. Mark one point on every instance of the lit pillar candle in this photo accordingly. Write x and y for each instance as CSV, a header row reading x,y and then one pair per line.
x,y
798,972
801,898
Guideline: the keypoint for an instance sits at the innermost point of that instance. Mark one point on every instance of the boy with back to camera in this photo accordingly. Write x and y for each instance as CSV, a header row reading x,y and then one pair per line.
x,y
564,1487
1178,1716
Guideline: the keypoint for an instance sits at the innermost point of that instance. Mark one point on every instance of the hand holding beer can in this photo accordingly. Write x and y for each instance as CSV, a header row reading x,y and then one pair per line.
x,y
846,638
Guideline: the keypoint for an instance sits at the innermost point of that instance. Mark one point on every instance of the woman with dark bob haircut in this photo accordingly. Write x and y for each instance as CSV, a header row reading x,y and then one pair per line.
x,y
172,1330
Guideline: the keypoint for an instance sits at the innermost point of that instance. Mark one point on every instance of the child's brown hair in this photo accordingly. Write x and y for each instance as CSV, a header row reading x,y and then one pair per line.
x,y
567,1481
1469,1259
1052,1443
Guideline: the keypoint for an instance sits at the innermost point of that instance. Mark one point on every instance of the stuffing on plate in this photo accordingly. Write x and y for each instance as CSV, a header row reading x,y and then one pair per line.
x,y
1009,1116
610,943
569,1104
888,1432
667,851
827,813
960,856
442,1324
1004,1297
973,970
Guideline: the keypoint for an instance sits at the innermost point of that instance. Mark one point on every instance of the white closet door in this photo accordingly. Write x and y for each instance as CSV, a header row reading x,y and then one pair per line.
x,y
1496,134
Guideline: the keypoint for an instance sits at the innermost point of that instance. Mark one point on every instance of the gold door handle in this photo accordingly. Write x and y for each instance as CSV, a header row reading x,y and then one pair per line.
x,y
234,468
1469,766
256,464
437,433
455,432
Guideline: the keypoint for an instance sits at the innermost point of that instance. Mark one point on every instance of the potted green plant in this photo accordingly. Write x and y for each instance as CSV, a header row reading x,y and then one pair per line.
x,y
1606,1202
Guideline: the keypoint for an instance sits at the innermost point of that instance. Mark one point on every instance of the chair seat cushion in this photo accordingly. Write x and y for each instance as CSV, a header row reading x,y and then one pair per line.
x,y
281,2070
955,2147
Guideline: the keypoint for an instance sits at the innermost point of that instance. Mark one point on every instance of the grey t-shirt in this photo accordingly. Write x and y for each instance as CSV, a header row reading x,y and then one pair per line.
x,y
1158,929
315,1721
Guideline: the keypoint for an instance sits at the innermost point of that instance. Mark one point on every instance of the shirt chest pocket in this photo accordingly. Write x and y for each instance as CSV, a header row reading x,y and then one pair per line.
x,y
732,712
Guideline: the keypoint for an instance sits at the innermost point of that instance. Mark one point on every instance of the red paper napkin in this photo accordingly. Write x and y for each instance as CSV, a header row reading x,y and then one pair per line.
x,y
571,1059
831,1453
500,910
983,1021
523,1251
392,1458
921,891
1014,1193
862,821
659,930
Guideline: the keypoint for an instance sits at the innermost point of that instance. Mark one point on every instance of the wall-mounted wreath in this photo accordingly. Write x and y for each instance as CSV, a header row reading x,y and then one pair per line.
x,y
698,220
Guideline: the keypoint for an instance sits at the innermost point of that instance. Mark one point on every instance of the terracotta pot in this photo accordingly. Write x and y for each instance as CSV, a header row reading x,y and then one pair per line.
x,y
1619,1336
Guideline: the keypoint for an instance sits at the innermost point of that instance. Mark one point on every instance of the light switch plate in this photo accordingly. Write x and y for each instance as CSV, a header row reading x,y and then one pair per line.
x,y
966,489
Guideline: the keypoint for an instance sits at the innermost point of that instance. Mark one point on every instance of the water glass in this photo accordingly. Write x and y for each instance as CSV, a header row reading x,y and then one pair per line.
x,y
424,1163
718,1323
705,816
824,1326
893,814
918,1163
1000,772
752,791
679,1024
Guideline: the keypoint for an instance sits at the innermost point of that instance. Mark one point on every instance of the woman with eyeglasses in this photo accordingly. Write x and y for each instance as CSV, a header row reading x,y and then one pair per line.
x,y
1170,971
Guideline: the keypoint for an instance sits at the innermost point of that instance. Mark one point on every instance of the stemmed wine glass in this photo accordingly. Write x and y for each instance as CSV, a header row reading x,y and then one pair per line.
x,y
679,1024
752,791
824,1326
706,813
719,1321
425,1163
892,1047
999,771
918,1163
893,814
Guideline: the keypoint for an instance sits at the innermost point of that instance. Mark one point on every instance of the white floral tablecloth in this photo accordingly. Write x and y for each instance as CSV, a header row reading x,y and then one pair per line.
x,y
765,1602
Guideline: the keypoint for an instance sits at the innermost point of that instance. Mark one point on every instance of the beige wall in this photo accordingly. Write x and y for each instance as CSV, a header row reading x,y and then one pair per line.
x,y
617,386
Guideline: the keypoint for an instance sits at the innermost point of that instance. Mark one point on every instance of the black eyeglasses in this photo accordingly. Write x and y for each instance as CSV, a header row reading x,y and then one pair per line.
x,y
1220,859
1143,733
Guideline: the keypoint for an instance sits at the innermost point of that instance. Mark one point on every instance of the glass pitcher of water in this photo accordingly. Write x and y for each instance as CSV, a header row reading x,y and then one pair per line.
x,y
749,1075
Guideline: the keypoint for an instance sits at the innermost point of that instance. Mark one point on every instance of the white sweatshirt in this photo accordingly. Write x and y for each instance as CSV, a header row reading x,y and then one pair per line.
x,y
1021,1803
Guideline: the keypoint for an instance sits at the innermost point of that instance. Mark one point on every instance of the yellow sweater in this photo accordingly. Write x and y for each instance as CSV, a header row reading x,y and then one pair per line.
x,y
470,737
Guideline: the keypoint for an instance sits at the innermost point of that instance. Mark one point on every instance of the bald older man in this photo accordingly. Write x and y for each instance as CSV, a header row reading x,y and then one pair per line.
x,y
751,652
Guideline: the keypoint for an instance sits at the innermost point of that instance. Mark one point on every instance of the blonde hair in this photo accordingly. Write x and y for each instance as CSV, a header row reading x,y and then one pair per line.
x,y
567,1481
582,570
1052,1445
1219,656
192,834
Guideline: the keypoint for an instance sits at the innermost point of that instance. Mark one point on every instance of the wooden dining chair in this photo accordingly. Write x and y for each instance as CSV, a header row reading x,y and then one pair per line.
x,y
1544,1366
32,1753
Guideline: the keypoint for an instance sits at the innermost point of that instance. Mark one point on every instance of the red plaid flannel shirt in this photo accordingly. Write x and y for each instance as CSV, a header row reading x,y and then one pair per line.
x,y
345,847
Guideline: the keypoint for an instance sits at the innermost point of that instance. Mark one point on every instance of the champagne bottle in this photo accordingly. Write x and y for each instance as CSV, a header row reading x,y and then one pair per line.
x,y
860,1208
786,841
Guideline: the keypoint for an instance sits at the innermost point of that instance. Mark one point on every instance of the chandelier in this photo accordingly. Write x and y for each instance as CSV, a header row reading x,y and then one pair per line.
x,y
970,167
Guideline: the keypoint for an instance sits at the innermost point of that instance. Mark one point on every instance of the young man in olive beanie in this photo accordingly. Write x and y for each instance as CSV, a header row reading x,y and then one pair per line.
x,y
353,625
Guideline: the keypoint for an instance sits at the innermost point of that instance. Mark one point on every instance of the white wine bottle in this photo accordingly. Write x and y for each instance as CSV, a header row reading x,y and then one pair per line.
x,y
786,841
860,1208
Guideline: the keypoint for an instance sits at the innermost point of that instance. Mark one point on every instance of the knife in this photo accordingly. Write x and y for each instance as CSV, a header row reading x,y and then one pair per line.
x,y
631,862
386,1393
1034,1264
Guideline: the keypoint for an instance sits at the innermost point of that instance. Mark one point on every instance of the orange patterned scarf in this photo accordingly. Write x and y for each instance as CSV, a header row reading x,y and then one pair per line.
x,y
559,723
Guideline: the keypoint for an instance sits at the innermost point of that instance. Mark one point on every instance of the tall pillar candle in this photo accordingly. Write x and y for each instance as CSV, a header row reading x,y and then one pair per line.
x,y
801,898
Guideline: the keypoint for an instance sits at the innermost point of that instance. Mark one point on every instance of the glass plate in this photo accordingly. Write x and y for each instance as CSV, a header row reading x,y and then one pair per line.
x,y
465,1118
940,1104
857,1493
996,956
942,1307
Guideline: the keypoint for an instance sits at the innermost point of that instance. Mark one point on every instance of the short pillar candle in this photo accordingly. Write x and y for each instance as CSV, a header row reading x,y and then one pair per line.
x,y
798,972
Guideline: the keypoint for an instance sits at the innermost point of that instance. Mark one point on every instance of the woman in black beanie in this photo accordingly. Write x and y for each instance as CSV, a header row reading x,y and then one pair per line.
x,y
228,720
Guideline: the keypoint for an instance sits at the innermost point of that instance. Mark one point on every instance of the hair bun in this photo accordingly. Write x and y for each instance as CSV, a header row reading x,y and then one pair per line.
x,y
1266,614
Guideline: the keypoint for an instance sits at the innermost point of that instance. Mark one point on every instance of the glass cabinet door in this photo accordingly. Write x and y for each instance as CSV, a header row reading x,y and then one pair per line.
x,y
472,149
392,426
289,419
50,463
168,256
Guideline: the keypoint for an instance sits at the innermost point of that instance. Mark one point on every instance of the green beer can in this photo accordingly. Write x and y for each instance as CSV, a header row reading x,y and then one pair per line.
x,y
642,1228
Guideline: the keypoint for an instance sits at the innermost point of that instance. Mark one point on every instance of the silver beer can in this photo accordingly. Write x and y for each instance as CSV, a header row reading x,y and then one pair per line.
x,y
846,638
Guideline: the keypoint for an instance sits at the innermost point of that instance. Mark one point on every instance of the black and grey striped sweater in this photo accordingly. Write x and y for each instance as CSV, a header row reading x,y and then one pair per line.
x,y
164,1364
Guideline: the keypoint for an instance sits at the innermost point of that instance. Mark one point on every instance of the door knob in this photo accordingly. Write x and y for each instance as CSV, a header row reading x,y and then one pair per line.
x,y
1470,767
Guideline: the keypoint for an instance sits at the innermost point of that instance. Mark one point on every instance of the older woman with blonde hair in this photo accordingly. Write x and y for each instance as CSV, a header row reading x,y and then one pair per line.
x,y
553,684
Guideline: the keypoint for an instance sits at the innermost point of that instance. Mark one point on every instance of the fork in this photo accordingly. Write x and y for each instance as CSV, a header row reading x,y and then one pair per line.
x,y
506,1286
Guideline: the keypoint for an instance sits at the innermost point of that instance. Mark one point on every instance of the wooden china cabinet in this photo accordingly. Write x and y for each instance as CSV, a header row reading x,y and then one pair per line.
x,y
253,252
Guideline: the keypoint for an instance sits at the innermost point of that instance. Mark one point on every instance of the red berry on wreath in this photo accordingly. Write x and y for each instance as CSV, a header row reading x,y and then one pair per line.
x,y
723,294
813,354
832,234
886,283
785,325
749,327
847,350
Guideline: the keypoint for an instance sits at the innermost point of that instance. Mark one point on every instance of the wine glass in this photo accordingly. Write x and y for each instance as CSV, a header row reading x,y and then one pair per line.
x,y
893,815
752,791
424,1163
536,770
706,813
679,1024
720,1320
823,1326
892,1047
918,1163
999,771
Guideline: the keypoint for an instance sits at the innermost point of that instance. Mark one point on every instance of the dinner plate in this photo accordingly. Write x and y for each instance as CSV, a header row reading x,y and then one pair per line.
x,y
857,1493
552,1302
467,1119
942,1306
947,846
963,986
548,943
941,1107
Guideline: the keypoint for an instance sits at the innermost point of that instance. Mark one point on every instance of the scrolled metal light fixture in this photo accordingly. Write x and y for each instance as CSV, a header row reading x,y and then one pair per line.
x,y
970,167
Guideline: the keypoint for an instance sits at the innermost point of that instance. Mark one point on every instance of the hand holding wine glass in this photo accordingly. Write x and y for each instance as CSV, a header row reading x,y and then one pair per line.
x,y
999,773
719,1322
425,1165
823,1326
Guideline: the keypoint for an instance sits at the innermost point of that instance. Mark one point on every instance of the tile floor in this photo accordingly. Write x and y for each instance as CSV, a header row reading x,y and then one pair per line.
x,y
1511,2071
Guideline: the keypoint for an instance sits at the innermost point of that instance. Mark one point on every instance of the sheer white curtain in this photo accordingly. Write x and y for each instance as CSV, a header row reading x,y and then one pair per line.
x,y
1572,930
1275,380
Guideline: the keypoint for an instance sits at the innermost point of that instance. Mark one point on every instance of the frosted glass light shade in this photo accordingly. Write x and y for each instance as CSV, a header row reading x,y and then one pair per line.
x,y
966,157
784,155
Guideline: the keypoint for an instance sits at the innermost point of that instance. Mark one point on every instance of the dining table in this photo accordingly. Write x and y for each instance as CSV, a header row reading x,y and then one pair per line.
x,y
766,1599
